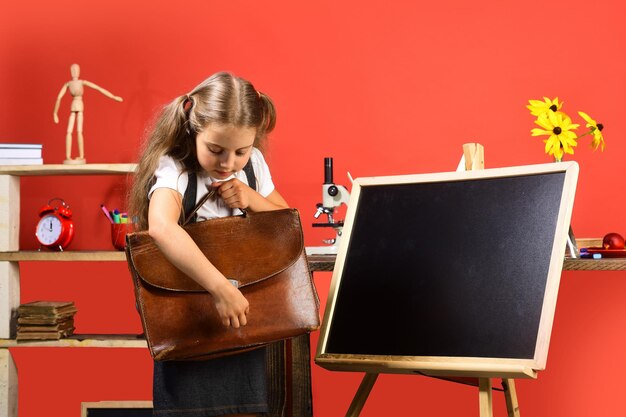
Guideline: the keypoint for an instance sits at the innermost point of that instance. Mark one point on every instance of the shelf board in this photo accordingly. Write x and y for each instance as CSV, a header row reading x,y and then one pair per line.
x,y
68,255
327,263
61,169
321,262
587,242
605,264
316,262
82,340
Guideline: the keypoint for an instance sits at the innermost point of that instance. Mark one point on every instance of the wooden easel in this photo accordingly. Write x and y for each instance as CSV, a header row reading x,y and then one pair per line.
x,y
473,158
485,390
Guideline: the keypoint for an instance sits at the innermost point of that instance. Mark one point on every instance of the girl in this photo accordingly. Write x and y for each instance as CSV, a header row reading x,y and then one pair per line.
x,y
211,133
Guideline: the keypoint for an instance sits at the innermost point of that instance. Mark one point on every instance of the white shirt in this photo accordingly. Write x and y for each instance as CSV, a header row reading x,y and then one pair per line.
x,y
169,174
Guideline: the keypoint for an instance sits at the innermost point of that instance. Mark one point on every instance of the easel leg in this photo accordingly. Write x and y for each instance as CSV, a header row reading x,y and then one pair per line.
x,y
361,395
485,397
510,395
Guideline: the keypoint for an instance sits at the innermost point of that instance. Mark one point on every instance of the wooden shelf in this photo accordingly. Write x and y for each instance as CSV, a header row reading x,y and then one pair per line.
x,y
606,264
83,340
327,263
61,169
20,256
316,262
321,262
10,185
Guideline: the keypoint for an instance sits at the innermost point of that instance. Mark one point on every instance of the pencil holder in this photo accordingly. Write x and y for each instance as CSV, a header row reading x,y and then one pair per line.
x,y
118,234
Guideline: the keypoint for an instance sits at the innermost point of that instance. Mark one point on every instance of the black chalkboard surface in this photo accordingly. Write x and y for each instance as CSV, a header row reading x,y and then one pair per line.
x,y
456,269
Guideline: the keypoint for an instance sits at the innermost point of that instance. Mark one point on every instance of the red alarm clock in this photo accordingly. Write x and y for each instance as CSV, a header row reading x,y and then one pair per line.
x,y
55,229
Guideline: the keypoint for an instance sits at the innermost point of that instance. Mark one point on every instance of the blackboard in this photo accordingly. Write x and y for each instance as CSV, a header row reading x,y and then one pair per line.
x,y
117,409
452,265
119,412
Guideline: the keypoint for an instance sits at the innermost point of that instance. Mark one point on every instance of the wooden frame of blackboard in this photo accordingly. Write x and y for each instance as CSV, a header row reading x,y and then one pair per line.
x,y
454,365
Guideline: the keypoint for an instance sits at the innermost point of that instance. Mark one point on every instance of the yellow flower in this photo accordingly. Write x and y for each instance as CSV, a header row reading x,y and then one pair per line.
x,y
594,128
537,107
559,127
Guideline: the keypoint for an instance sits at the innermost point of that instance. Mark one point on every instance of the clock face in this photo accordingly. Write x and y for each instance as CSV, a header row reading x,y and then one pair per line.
x,y
49,229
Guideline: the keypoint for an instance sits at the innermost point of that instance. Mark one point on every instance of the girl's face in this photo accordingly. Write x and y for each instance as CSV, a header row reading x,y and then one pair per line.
x,y
224,149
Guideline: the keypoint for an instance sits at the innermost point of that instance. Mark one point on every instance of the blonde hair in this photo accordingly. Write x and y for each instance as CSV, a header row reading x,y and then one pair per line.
x,y
222,99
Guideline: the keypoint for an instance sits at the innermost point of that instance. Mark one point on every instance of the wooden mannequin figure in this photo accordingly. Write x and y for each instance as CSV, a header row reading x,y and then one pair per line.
x,y
76,90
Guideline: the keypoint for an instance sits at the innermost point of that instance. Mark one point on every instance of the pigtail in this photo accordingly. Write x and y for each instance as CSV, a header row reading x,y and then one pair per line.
x,y
184,131
169,127
268,114
187,108
168,136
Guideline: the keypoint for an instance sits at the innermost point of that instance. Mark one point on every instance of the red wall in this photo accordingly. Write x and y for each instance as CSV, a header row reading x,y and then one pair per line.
x,y
384,88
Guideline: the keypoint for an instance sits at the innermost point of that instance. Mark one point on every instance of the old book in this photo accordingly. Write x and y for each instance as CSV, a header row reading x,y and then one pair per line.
x,y
44,319
46,308
45,327
53,335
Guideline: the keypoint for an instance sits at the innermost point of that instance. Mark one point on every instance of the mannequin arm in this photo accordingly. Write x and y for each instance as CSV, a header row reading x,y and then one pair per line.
x,y
58,103
102,90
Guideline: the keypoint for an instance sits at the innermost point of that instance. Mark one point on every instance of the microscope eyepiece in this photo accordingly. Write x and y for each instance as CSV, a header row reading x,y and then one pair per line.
x,y
328,170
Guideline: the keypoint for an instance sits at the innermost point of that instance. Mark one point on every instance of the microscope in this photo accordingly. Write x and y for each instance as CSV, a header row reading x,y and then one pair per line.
x,y
333,196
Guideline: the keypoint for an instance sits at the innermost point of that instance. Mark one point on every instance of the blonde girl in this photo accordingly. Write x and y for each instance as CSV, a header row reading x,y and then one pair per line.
x,y
212,133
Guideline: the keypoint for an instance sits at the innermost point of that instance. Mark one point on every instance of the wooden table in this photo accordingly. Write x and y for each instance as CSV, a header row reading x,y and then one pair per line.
x,y
327,263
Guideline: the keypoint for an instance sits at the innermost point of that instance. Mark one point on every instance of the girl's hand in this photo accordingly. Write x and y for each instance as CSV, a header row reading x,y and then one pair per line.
x,y
235,193
231,305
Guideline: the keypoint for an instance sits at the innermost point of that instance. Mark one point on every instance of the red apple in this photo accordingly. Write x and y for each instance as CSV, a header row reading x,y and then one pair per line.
x,y
613,241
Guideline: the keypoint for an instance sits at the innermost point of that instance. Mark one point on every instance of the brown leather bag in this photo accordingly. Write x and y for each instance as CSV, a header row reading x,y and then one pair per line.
x,y
263,251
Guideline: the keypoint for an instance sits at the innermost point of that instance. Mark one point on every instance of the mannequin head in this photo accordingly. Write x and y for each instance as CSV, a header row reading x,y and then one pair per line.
x,y
75,71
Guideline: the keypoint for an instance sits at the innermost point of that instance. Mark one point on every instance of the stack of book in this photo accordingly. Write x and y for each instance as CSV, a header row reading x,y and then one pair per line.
x,y
20,154
45,320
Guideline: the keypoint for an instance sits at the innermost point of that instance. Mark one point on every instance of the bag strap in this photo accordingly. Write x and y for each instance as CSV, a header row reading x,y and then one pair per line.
x,y
189,210
249,170
189,199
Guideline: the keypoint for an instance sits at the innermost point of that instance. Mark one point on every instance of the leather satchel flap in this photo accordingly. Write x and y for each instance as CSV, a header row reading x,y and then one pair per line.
x,y
266,243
